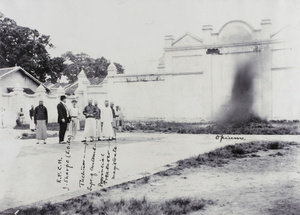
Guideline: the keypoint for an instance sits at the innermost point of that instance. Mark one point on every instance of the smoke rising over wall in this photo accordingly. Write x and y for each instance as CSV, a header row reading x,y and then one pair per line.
x,y
240,107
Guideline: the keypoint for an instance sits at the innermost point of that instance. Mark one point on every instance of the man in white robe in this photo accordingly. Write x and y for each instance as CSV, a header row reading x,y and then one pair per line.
x,y
98,122
31,115
74,113
107,121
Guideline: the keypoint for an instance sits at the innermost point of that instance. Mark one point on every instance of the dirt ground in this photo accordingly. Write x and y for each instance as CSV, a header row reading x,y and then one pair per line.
x,y
265,184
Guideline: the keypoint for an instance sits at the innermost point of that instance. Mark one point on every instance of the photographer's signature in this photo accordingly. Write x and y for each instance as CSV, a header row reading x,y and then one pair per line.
x,y
222,137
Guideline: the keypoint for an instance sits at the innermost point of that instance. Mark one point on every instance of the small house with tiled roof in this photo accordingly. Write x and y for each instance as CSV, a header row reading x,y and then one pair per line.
x,y
9,77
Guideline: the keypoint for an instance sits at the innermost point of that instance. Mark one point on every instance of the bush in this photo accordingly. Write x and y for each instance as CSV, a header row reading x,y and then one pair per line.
x,y
180,206
238,150
275,145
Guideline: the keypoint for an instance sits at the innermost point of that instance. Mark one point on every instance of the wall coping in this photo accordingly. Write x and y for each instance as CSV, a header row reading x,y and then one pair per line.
x,y
224,45
155,74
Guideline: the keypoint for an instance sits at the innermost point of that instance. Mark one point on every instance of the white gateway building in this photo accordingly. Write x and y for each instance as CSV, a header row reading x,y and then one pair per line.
x,y
195,76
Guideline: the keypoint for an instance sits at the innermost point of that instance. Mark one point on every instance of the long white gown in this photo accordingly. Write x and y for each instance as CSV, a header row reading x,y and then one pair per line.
x,y
32,125
107,119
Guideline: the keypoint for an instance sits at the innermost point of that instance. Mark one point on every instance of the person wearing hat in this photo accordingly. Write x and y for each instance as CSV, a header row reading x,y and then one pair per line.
x,y
63,118
74,113
41,121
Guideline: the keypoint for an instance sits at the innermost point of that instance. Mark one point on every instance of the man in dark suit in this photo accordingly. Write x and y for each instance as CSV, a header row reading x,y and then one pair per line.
x,y
63,118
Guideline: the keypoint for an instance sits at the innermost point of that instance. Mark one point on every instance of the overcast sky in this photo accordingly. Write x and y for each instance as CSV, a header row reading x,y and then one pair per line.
x,y
131,32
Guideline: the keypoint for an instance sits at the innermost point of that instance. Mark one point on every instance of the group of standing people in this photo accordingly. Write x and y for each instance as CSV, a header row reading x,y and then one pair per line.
x,y
100,124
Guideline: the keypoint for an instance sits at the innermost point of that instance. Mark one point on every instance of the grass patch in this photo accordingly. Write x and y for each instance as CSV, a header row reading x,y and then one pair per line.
x,y
52,126
180,206
22,127
84,205
145,179
221,156
26,136
251,126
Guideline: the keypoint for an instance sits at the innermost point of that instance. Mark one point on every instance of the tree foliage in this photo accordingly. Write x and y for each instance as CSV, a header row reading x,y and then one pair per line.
x,y
57,68
93,68
120,69
27,48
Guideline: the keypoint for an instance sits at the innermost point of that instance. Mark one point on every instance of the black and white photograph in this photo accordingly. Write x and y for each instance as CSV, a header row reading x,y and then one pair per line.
x,y
150,107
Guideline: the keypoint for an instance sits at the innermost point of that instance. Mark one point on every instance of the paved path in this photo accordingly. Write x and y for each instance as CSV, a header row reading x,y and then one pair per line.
x,y
29,172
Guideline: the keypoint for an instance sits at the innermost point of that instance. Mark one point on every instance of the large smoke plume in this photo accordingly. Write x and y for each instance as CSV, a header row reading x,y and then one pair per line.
x,y
240,107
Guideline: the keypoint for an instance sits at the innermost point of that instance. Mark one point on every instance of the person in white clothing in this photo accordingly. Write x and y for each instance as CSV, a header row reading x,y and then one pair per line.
x,y
74,113
98,121
119,119
114,125
31,115
107,121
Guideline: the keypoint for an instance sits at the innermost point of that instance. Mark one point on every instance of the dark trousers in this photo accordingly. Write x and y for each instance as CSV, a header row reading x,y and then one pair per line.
x,y
62,130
